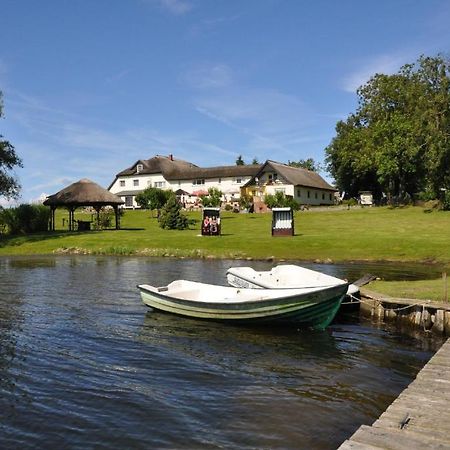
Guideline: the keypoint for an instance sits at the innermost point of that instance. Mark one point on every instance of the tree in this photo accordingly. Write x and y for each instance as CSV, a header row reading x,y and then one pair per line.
x,y
255,160
240,161
280,200
171,217
308,164
213,198
398,140
153,198
9,185
246,202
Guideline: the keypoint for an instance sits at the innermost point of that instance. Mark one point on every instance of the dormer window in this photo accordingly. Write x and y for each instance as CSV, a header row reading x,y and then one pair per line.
x,y
139,168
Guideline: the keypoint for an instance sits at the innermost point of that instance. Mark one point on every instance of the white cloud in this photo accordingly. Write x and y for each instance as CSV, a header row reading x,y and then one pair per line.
x,y
385,64
209,76
266,109
176,7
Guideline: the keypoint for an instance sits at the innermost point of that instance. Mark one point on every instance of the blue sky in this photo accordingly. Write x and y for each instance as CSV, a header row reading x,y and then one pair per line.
x,y
89,87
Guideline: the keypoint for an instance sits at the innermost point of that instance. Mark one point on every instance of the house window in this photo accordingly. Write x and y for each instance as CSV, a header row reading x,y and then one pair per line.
x,y
122,183
309,194
220,180
135,182
299,193
139,168
330,198
197,182
160,184
149,183
315,194
238,180
323,196
129,200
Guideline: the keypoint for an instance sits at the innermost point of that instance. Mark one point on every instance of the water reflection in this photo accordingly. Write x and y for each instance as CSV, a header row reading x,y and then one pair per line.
x,y
84,364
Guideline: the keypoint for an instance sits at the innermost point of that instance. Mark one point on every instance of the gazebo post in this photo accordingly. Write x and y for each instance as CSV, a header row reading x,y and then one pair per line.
x,y
72,217
52,218
98,208
116,213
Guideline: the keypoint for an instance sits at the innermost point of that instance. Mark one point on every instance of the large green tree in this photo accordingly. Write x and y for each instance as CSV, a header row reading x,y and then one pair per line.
x,y
153,198
398,139
9,185
308,164
213,198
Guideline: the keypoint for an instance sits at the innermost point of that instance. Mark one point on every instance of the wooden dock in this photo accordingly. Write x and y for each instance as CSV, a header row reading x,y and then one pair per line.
x,y
419,418
422,314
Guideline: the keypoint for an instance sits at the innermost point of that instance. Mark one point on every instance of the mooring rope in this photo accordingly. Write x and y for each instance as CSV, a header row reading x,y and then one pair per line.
x,y
358,300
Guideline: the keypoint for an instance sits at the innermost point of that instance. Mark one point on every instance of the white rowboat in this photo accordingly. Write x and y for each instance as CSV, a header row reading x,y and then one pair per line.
x,y
314,307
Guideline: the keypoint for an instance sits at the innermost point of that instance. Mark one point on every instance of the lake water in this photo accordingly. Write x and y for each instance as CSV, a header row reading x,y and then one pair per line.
x,y
84,364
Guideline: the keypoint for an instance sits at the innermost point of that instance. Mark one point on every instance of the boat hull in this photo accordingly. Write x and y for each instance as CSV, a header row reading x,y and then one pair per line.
x,y
315,310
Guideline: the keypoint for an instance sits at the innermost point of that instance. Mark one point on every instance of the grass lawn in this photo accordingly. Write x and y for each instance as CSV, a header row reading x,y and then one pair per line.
x,y
418,289
370,234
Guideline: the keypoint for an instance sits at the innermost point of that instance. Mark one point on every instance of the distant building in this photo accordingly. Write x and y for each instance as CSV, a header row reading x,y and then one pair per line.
x,y
304,186
189,181
166,172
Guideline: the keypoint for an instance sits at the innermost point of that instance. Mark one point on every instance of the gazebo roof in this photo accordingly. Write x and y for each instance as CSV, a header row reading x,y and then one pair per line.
x,y
83,193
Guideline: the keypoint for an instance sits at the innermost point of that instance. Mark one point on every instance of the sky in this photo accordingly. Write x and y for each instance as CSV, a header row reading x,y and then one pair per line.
x,y
91,86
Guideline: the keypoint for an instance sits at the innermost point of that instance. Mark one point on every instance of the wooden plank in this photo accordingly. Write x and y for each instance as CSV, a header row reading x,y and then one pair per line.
x,y
398,439
353,445
414,407
423,426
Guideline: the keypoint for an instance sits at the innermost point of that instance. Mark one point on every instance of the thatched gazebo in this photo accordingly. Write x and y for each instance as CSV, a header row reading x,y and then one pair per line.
x,y
82,193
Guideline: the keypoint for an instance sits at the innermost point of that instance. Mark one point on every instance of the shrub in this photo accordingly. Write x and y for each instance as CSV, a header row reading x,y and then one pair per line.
x,y
446,201
105,219
25,219
280,200
245,201
171,217
213,199
153,198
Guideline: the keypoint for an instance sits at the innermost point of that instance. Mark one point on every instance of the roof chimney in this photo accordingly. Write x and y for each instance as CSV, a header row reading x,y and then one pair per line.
x,y
171,157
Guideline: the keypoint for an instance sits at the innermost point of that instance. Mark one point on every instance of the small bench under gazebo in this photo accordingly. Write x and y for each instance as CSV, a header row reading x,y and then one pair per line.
x,y
83,193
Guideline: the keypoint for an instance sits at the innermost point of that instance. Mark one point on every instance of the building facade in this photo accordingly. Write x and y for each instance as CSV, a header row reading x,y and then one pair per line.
x,y
186,179
189,181
304,186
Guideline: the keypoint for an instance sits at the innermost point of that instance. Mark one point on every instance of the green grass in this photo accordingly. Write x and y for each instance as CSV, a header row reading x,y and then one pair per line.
x,y
369,234
434,290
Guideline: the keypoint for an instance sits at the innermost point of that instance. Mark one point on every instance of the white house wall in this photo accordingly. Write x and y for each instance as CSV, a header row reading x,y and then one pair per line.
x,y
311,196
134,184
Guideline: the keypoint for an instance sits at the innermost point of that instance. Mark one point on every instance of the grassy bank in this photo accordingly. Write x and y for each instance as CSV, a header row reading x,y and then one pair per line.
x,y
435,290
372,234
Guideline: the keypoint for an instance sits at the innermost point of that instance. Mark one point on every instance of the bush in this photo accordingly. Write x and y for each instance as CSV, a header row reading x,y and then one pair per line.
x,y
105,219
171,217
153,198
25,219
245,201
213,199
280,200
446,201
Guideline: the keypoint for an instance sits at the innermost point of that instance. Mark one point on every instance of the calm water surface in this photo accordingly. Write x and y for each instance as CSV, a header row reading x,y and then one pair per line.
x,y
84,364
